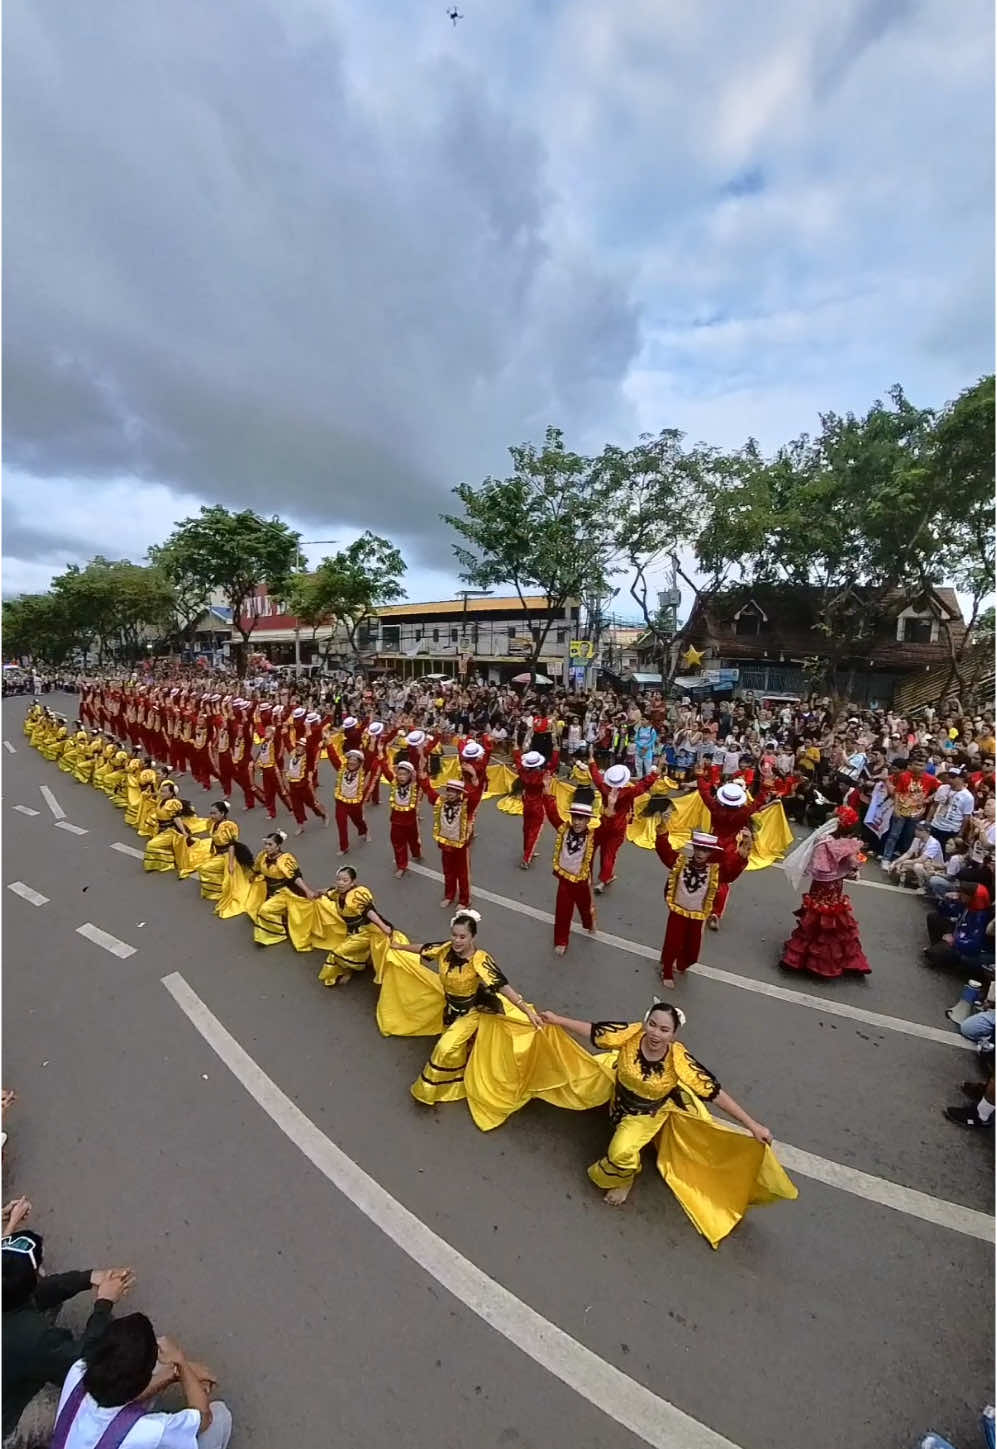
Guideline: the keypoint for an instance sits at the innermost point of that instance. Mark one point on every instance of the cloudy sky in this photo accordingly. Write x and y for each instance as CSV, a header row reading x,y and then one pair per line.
x,y
328,259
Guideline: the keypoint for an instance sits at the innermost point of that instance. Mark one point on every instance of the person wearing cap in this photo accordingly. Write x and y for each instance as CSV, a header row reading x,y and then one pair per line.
x,y
696,875
220,749
299,786
574,847
618,796
453,822
403,803
352,783
959,941
658,1093
826,940
951,808
730,811
531,769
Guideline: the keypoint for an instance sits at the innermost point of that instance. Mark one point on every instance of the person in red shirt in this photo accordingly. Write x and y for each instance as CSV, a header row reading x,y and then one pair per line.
x,y
574,848
618,796
730,812
531,769
910,791
695,879
403,800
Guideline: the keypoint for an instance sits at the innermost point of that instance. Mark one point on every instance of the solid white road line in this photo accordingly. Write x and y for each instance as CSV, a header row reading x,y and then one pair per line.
x,y
109,942
730,978
25,810
27,894
9,747
652,1419
74,829
128,850
52,802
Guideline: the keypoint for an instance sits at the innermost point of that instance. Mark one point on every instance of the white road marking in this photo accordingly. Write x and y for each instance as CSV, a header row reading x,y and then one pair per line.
x,y
628,1402
128,850
25,810
27,894
9,747
746,983
74,829
52,802
109,942
890,1194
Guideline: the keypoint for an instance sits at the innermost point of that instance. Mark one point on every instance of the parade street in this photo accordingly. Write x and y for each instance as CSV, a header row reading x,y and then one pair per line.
x,y
361,1270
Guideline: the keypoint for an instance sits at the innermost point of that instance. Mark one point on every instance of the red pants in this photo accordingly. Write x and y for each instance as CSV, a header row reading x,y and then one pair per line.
x,y
302,799
456,874
225,774
271,790
609,841
346,813
405,837
683,938
242,777
572,893
178,756
720,899
533,821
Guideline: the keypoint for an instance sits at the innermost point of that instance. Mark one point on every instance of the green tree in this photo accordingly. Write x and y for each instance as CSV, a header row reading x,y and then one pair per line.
x,y
235,553
351,585
39,625
191,596
543,530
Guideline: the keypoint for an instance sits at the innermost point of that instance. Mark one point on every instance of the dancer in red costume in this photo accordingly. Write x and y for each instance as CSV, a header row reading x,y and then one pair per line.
x,y
404,803
352,784
697,874
242,752
299,787
826,940
532,769
574,848
453,826
730,811
618,796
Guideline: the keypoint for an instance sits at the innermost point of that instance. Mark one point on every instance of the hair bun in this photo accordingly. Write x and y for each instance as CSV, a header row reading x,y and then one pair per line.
x,y
280,836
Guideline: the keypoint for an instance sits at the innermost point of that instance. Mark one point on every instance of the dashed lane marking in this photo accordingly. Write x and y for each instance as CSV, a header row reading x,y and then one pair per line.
x,y
25,810
52,802
654,1420
730,978
128,850
73,829
34,898
121,949
9,747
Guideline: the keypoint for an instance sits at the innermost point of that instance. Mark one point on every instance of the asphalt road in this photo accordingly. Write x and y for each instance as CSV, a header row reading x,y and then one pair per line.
x,y
834,1320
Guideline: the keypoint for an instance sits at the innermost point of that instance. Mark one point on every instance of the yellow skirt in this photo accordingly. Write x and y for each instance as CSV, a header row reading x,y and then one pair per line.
x,y
211,873
241,895
83,769
160,852
133,802
511,804
145,822
285,915
191,855
67,760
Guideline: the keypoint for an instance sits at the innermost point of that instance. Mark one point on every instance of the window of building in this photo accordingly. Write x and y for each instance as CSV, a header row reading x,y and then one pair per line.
x,y
917,631
562,635
418,635
454,635
436,636
391,638
750,621
511,631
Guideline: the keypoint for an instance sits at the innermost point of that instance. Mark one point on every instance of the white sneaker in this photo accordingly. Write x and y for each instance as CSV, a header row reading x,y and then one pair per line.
x,y
885,864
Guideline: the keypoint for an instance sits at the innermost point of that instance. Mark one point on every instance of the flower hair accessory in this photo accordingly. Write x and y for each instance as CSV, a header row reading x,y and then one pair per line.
x,y
466,913
660,1001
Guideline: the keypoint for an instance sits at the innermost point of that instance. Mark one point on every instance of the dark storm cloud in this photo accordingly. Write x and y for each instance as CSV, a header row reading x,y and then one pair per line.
x,y
230,270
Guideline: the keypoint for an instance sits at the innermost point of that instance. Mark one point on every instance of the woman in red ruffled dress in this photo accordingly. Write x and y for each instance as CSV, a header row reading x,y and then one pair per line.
x,y
826,940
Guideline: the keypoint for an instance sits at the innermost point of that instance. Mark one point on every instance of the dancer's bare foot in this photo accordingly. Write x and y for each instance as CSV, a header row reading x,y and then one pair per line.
x,y
524,865
559,950
617,1196
445,902
668,983
713,923
592,931
344,980
399,874
325,821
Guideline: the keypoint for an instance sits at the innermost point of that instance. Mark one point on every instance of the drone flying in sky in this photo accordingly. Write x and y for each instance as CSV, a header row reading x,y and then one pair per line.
x,y
454,15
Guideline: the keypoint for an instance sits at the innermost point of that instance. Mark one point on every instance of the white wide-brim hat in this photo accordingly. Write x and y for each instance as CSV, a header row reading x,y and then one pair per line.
x,y
533,759
704,840
375,728
617,776
415,738
733,795
350,722
579,809
472,751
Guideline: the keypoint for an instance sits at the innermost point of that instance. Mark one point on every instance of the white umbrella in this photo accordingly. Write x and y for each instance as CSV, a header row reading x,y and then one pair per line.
x,y
531,679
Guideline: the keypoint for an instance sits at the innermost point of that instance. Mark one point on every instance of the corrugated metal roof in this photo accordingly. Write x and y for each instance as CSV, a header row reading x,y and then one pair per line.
x,y
535,603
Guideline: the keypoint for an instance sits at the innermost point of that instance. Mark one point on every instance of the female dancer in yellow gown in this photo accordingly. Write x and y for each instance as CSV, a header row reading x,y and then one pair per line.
x,y
161,850
215,856
658,1090
346,922
472,984
68,758
281,903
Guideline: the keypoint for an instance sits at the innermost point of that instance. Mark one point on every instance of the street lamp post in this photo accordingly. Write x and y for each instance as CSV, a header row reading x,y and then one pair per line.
x,y
466,594
303,543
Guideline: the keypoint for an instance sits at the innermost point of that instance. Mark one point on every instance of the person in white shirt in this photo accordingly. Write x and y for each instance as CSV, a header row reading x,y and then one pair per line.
x,y
953,805
121,1374
923,860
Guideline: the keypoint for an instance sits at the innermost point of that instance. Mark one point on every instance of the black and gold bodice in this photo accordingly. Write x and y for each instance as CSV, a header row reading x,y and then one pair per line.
x,y
643,1086
467,984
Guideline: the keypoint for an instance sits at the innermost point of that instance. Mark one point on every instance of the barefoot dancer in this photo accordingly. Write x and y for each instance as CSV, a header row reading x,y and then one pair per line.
x,y
697,875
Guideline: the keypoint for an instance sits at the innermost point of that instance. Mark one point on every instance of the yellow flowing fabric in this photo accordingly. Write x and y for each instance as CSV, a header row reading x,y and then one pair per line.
x,y
563,792
349,952
500,781
511,804
133,802
241,894
411,999
771,835
286,915
191,855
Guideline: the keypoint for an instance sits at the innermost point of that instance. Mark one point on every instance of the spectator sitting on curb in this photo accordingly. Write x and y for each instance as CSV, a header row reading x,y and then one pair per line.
x,y
964,943
980,1113
37,1354
118,1375
920,861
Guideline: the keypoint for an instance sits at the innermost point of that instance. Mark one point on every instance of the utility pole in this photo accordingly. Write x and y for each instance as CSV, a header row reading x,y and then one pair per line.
x,y
466,594
303,543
